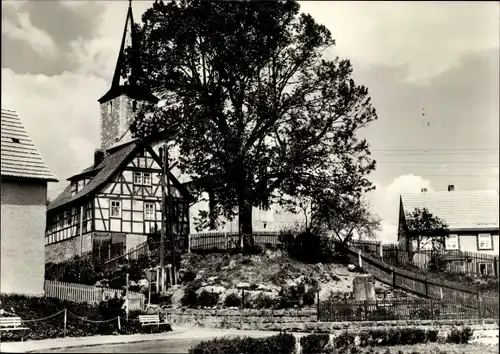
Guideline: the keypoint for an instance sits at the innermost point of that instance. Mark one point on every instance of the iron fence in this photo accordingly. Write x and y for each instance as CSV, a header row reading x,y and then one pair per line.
x,y
396,309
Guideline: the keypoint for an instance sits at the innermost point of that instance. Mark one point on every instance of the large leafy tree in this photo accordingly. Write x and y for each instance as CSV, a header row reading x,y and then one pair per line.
x,y
260,113
422,228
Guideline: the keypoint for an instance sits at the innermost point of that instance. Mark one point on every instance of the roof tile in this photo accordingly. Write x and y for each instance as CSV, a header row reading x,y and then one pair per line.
x,y
473,209
19,156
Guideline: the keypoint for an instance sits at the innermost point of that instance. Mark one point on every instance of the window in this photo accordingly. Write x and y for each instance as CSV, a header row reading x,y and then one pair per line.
x,y
110,107
146,179
141,178
15,140
484,242
137,178
134,106
452,242
149,211
116,209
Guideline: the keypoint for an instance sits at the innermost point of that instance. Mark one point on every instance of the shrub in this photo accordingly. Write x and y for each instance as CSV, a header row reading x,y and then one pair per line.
x,y
232,300
424,314
263,301
460,336
161,299
432,335
207,299
190,298
308,297
189,276
315,344
282,343
344,339
381,314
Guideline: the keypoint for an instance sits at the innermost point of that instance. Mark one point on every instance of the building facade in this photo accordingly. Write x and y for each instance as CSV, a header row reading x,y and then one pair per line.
x,y
113,205
473,225
23,207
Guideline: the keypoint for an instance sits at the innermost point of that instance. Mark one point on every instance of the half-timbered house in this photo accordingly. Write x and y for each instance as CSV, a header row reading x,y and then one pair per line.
x,y
115,204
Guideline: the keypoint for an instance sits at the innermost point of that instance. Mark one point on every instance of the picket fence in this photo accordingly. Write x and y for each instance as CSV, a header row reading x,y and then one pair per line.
x,y
225,241
90,294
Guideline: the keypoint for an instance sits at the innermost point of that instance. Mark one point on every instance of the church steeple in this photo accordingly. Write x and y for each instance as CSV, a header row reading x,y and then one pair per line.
x,y
120,104
133,71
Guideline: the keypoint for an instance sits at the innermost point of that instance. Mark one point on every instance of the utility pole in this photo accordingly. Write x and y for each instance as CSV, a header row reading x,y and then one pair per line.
x,y
170,232
163,157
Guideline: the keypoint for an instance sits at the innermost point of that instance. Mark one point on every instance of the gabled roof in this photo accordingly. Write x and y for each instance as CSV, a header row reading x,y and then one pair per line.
x,y
19,156
473,209
106,170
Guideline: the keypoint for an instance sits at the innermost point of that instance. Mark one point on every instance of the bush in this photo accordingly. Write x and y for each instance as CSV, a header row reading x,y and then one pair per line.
x,y
282,343
232,300
381,314
190,298
189,276
309,297
207,299
344,339
424,314
263,301
460,336
315,344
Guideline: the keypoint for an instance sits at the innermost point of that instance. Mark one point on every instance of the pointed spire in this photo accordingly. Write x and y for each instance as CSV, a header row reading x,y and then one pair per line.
x,y
135,70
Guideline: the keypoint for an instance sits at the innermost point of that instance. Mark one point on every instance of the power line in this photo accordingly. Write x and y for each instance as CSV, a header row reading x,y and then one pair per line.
x,y
494,149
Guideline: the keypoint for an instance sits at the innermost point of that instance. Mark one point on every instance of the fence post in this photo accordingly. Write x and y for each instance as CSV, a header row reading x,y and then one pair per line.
x,y
393,273
478,305
360,261
225,240
242,298
119,324
426,284
381,251
65,321
189,243
317,304
432,310
495,266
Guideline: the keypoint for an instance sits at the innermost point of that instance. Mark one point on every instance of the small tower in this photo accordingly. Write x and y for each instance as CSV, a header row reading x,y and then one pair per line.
x,y
120,104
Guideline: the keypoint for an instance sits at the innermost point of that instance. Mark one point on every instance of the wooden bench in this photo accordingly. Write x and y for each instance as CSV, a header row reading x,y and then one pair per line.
x,y
150,320
12,324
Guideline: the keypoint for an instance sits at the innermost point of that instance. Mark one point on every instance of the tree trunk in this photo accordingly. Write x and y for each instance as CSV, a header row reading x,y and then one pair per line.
x,y
245,224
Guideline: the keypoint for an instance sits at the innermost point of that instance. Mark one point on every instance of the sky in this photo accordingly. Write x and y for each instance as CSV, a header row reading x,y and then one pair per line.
x,y
431,68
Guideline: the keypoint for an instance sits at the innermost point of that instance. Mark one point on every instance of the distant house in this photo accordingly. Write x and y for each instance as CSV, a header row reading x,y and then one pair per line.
x,y
472,218
24,201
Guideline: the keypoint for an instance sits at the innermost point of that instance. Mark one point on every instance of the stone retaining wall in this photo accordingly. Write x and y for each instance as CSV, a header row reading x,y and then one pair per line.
x,y
300,321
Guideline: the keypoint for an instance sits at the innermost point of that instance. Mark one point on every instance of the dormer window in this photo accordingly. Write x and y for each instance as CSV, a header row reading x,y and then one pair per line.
x,y
74,188
15,140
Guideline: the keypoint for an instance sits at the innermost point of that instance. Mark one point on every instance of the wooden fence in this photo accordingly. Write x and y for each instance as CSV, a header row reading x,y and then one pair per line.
x,y
456,261
420,285
395,309
90,294
225,241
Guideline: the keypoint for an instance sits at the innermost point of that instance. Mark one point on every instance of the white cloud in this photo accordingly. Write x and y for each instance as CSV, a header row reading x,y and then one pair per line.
x,y
61,113
385,201
38,39
428,37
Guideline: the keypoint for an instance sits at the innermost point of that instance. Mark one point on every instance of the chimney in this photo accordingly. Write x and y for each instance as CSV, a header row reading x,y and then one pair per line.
x,y
451,188
423,190
98,157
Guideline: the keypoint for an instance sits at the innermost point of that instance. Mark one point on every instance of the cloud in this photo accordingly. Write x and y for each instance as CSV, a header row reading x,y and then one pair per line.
x,y
428,37
23,30
385,201
61,113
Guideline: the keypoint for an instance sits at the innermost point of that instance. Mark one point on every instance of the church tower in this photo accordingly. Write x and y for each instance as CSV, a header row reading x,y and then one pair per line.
x,y
122,101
